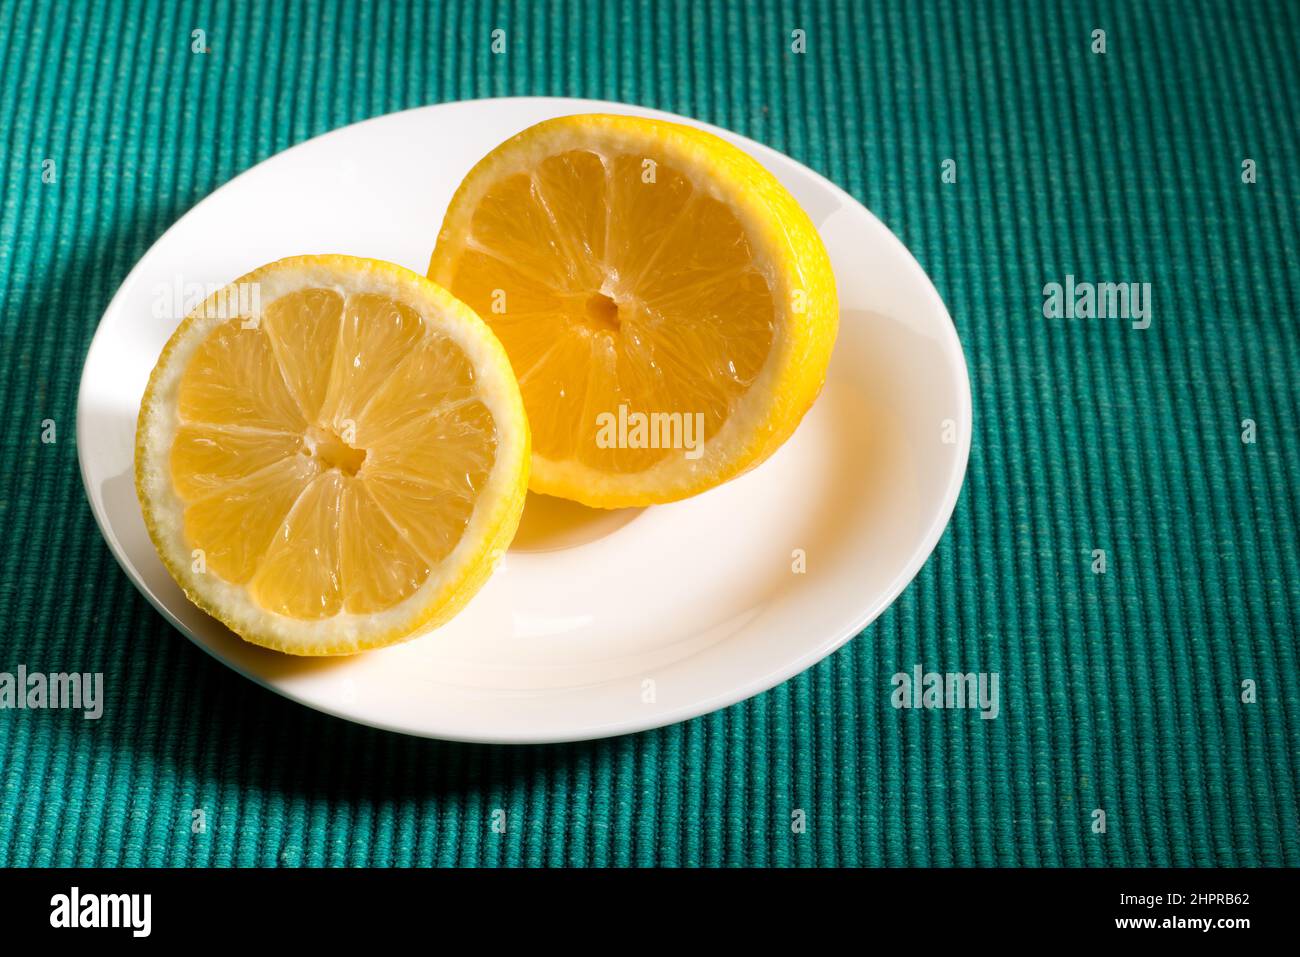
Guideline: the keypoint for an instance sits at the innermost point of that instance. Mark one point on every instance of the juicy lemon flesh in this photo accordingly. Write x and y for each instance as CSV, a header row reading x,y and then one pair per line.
x,y
611,283
329,456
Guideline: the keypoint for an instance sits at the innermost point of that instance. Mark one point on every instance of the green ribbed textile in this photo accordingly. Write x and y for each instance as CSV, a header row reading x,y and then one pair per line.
x,y
1120,691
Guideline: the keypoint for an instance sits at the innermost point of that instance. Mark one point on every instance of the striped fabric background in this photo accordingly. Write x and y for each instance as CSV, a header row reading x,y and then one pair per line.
x,y
1120,691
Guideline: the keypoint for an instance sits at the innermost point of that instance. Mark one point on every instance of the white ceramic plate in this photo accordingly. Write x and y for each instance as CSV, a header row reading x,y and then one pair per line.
x,y
596,623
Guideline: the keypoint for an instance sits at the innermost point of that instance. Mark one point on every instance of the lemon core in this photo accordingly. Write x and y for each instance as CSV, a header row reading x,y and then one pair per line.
x,y
332,452
603,312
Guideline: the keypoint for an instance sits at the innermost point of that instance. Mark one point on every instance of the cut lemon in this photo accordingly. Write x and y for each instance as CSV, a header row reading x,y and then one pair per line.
x,y
668,307
331,454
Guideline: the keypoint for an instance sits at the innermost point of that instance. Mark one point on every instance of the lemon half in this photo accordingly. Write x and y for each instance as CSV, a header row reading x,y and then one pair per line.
x,y
331,454
668,307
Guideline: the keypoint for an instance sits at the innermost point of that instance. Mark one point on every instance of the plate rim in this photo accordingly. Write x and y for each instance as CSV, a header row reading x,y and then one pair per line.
x,y
684,712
